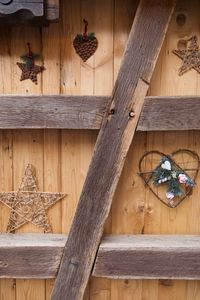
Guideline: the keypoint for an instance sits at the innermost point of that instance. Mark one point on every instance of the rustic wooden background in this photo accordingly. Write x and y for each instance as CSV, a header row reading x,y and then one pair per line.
x,y
62,157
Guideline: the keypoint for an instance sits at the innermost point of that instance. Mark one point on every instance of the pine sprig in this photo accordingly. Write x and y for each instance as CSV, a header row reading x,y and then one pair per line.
x,y
167,173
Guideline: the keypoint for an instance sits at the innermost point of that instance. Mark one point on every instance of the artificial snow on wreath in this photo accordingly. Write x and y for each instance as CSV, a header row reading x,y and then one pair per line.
x,y
170,178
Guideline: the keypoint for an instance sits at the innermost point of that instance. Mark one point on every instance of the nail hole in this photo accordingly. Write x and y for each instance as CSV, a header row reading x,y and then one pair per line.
x,y
112,112
181,19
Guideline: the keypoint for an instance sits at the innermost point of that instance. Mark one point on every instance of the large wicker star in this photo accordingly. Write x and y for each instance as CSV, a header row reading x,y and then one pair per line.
x,y
30,73
29,205
190,56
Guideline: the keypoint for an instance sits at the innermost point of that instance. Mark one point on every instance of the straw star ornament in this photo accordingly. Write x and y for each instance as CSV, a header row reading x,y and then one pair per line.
x,y
28,204
190,55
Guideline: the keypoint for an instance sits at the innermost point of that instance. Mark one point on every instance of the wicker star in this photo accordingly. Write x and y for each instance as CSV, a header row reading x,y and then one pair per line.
x,y
30,73
190,56
29,205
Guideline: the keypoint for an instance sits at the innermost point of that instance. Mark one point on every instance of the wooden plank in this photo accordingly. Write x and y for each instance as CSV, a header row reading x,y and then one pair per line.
x,y
77,78
167,82
52,10
170,113
7,286
38,255
30,255
86,112
52,138
115,137
103,63
127,213
27,145
149,257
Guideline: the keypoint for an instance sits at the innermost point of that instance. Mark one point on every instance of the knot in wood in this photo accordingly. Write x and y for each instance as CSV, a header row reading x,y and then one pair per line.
x,y
112,112
181,19
74,262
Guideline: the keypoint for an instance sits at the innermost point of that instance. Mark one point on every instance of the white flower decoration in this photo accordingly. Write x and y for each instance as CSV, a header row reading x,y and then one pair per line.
x,y
170,195
182,178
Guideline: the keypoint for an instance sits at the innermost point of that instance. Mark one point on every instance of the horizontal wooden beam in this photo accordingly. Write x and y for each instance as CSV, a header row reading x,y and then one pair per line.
x,y
149,257
86,112
30,255
170,113
70,112
136,256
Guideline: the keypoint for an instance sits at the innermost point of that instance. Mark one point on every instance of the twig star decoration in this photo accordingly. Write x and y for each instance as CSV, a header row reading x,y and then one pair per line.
x,y
29,205
29,69
190,54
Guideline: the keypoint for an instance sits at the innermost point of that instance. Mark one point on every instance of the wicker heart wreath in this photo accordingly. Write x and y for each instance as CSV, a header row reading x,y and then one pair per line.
x,y
170,178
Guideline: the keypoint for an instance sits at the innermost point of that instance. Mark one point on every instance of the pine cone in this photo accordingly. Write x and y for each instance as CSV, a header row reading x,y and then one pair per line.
x,y
85,47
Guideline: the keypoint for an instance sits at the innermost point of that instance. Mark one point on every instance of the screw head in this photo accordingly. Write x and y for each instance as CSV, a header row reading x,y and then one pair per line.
x,y
132,114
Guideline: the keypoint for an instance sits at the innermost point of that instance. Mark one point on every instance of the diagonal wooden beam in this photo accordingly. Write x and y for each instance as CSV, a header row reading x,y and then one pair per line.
x,y
117,131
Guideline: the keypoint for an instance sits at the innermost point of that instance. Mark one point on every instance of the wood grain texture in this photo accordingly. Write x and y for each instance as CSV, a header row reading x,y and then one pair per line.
x,y
28,145
170,113
148,257
144,256
116,135
127,215
30,255
52,138
7,286
86,112
102,64
52,10
185,220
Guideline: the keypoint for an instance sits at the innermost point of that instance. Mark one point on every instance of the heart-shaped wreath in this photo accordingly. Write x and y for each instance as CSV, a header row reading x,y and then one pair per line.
x,y
170,178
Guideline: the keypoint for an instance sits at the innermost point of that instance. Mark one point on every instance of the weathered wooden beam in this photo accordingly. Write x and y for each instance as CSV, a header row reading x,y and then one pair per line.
x,y
119,256
149,257
30,255
52,10
86,112
117,131
71,112
170,113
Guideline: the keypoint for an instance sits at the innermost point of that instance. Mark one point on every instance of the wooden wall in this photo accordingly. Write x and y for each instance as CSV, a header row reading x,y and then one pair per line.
x,y
62,157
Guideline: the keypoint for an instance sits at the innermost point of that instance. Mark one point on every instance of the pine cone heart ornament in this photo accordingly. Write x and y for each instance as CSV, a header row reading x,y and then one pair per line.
x,y
85,44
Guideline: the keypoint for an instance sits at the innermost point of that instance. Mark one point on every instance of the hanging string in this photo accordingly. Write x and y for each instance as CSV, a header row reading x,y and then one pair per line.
x,y
85,28
30,53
